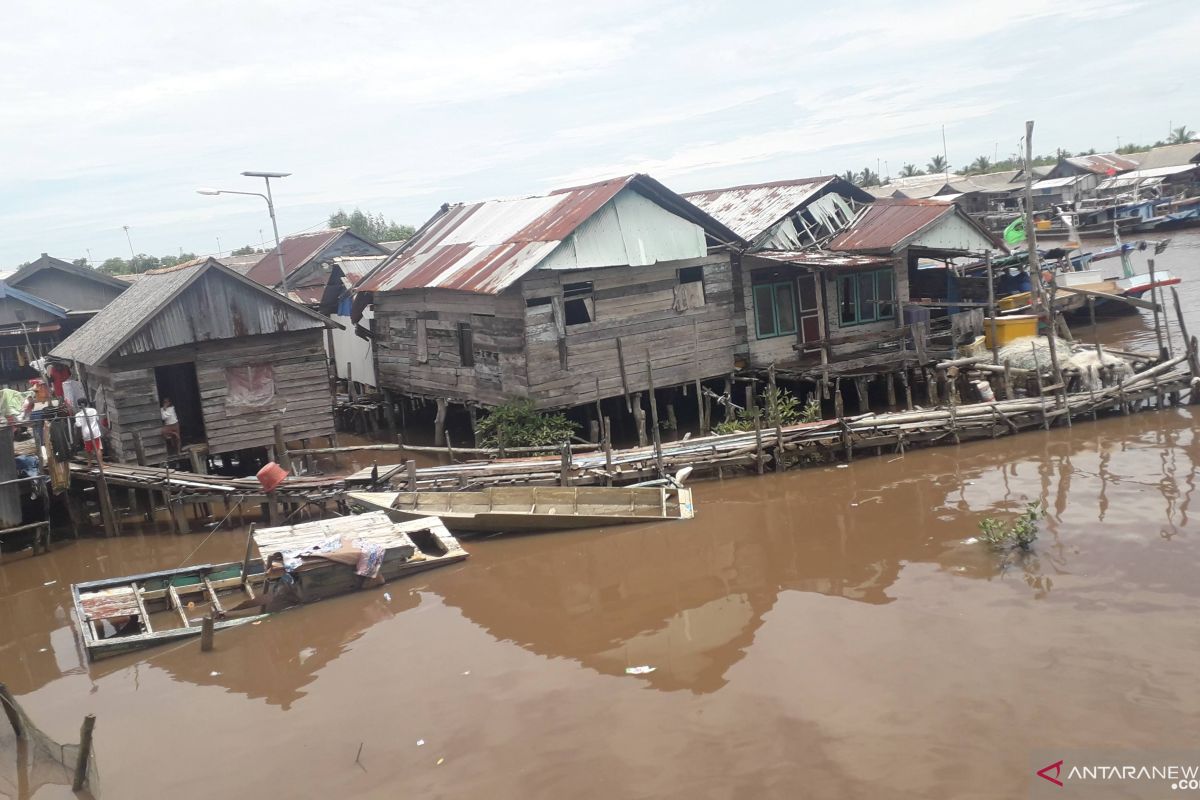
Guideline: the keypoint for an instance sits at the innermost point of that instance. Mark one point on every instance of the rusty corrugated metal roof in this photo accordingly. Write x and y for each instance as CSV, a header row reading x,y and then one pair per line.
x,y
1103,163
297,250
355,268
484,247
890,224
751,209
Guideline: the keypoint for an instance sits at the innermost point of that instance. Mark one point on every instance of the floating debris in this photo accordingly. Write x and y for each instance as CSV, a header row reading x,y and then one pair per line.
x,y
642,670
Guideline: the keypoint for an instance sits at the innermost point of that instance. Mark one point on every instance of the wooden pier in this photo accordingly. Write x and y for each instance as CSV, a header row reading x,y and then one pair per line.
x,y
824,441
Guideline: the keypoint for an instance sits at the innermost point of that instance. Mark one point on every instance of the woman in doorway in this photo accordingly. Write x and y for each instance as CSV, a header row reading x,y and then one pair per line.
x,y
170,428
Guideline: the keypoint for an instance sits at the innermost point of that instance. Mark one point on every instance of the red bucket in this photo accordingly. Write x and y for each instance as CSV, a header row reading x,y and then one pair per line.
x,y
271,476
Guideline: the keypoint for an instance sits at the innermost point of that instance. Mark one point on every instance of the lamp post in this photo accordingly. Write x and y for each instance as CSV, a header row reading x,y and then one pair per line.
x,y
266,176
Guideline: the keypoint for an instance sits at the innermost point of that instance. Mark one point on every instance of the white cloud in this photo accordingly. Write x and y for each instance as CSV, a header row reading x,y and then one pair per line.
x,y
114,113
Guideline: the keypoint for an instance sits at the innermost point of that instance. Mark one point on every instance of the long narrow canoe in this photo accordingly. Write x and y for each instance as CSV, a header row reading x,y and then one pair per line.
x,y
532,508
117,615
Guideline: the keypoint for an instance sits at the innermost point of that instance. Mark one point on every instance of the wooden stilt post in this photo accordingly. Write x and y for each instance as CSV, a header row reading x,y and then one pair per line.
x,y
891,389
473,413
281,454
639,419
758,442
389,415
701,421
564,470
991,309
729,394
273,512
85,752
1193,359
439,420
410,474
656,430
1158,334
672,420
608,457
106,509
449,449
206,634
907,381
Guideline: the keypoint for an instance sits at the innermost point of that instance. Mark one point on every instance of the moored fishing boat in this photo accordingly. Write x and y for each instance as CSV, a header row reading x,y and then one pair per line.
x,y
533,508
295,564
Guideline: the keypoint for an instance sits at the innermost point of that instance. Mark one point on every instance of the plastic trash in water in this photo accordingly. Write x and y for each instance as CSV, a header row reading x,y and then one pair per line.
x,y
441,761
466,672
420,742
213,674
387,596
843,466
49,583
642,670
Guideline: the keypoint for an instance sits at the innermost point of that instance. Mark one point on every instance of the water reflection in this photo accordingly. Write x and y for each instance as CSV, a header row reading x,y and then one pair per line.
x,y
689,599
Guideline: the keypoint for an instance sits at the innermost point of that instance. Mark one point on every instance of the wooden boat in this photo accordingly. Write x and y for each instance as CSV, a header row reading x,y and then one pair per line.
x,y
532,508
117,615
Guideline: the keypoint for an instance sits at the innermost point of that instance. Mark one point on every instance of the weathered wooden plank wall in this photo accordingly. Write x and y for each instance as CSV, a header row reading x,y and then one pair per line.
x,y
687,340
128,396
522,347
419,352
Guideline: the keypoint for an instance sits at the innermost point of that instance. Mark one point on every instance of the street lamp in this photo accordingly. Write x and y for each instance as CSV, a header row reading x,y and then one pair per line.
x,y
266,176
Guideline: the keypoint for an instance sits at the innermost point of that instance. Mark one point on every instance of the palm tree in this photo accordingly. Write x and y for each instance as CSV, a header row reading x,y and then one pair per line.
x,y
981,164
910,171
849,177
1181,135
868,177
937,164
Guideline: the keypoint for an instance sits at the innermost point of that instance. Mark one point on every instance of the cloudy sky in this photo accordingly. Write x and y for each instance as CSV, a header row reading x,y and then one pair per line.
x,y
113,113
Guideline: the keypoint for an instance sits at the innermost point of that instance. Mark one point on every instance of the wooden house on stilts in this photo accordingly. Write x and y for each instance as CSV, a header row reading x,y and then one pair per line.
x,y
825,289
234,357
562,298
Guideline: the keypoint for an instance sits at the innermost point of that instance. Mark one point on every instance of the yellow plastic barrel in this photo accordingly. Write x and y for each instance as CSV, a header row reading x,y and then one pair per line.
x,y
1010,327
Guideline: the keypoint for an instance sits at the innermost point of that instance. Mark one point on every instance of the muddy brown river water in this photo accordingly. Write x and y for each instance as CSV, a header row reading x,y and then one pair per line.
x,y
830,632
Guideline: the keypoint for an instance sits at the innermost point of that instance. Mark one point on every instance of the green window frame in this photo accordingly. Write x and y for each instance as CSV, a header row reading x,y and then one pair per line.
x,y
866,297
775,309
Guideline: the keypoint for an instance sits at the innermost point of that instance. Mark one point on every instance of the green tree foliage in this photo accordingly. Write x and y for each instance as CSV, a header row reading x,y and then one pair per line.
x,y
868,177
248,250
1181,135
850,177
779,407
140,263
1019,533
518,423
936,164
373,227
910,171
980,165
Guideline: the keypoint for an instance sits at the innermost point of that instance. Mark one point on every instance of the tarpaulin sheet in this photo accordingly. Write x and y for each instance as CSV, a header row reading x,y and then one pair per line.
x,y
251,387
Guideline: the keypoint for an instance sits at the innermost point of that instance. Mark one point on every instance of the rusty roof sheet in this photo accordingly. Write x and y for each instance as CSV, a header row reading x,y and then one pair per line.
x,y
485,247
297,250
753,208
824,259
888,224
1103,163
355,268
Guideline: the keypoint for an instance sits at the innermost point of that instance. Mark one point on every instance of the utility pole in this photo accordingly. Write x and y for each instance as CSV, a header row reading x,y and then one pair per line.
x,y
130,241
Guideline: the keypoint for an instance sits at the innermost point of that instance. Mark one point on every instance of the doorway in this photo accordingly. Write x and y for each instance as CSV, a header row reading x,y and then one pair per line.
x,y
178,382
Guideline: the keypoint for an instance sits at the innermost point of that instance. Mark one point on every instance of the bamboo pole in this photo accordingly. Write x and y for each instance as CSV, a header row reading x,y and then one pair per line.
x,y
992,308
1035,269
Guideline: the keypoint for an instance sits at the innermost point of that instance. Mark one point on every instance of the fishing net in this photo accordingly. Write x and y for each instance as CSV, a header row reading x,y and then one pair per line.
x,y
1033,353
34,765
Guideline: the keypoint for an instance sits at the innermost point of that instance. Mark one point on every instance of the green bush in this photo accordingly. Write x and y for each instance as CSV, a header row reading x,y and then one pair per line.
x,y
518,424
778,407
1017,534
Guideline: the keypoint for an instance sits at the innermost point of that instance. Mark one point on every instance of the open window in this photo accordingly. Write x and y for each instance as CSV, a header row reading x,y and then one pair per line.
x,y
865,297
689,292
466,345
178,383
579,306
